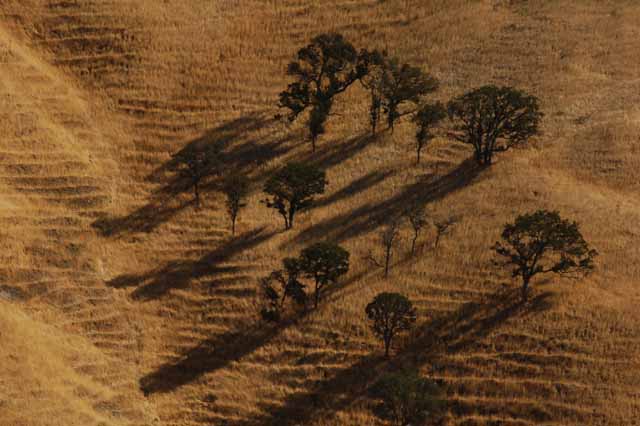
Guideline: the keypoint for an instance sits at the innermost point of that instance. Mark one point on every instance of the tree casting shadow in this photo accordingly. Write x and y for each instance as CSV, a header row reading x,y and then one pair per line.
x,y
372,215
448,334
243,150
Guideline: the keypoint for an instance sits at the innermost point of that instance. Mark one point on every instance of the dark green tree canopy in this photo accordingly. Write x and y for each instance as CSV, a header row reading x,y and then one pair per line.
x,y
390,314
292,189
282,285
372,65
323,69
543,242
403,83
494,119
426,119
392,84
406,398
196,163
324,262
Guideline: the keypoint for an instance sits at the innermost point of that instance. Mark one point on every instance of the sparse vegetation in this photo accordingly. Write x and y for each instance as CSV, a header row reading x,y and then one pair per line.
x,y
151,320
390,314
542,242
292,190
494,119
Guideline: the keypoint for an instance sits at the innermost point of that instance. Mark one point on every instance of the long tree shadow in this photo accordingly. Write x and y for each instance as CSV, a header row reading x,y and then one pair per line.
x,y
333,153
359,185
180,273
247,144
448,334
208,356
372,215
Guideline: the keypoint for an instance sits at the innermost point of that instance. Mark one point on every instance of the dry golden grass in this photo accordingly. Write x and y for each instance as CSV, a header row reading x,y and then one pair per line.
x,y
128,307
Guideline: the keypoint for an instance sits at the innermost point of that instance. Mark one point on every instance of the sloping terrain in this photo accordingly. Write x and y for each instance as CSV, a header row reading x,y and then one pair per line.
x,y
139,309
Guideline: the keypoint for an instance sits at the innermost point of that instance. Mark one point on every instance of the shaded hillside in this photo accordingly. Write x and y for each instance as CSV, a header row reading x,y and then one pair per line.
x,y
104,246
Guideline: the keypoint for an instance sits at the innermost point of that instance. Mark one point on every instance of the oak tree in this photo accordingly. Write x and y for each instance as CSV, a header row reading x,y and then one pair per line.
x,y
323,69
417,218
426,119
235,187
292,188
542,242
280,286
325,263
494,119
389,238
373,65
403,83
197,163
406,398
390,314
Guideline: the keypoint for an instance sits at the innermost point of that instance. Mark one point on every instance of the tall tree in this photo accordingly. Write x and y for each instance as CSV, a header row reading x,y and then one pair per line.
x,y
195,164
408,399
542,242
389,238
324,263
281,285
372,67
403,83
323,69
443,226
292,189
390,314
494,119
417,217
426,119
235,187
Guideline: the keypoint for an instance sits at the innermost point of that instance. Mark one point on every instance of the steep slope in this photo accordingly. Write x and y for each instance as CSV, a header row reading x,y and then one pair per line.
x,y
176,73
55,172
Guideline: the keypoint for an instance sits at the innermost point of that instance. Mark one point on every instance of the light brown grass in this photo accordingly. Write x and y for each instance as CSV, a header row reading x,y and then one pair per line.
x,y
98,95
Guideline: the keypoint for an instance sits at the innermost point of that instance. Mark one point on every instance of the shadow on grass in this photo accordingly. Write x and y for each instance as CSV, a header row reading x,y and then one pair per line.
x,y
451,333
372,215
208,356
359,185
179,274
248,144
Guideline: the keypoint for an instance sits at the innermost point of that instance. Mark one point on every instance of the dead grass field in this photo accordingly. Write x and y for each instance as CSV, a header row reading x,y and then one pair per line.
x,y
121,305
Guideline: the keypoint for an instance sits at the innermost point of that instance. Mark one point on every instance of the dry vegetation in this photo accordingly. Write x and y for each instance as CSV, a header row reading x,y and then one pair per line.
x,y
122,305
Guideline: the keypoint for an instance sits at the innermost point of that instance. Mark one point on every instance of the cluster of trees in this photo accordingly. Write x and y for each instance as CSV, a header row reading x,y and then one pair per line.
x,y
490,119
317,267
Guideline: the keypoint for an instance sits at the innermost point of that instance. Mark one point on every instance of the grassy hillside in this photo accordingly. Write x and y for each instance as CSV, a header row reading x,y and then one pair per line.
x,y
138,309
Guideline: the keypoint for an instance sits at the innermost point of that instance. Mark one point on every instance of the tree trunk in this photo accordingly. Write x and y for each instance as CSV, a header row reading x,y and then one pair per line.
x,y
313,142
196,193
292,212
233,225
386,262
525,288
477,150
413,243
418,156
317,296
387,345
